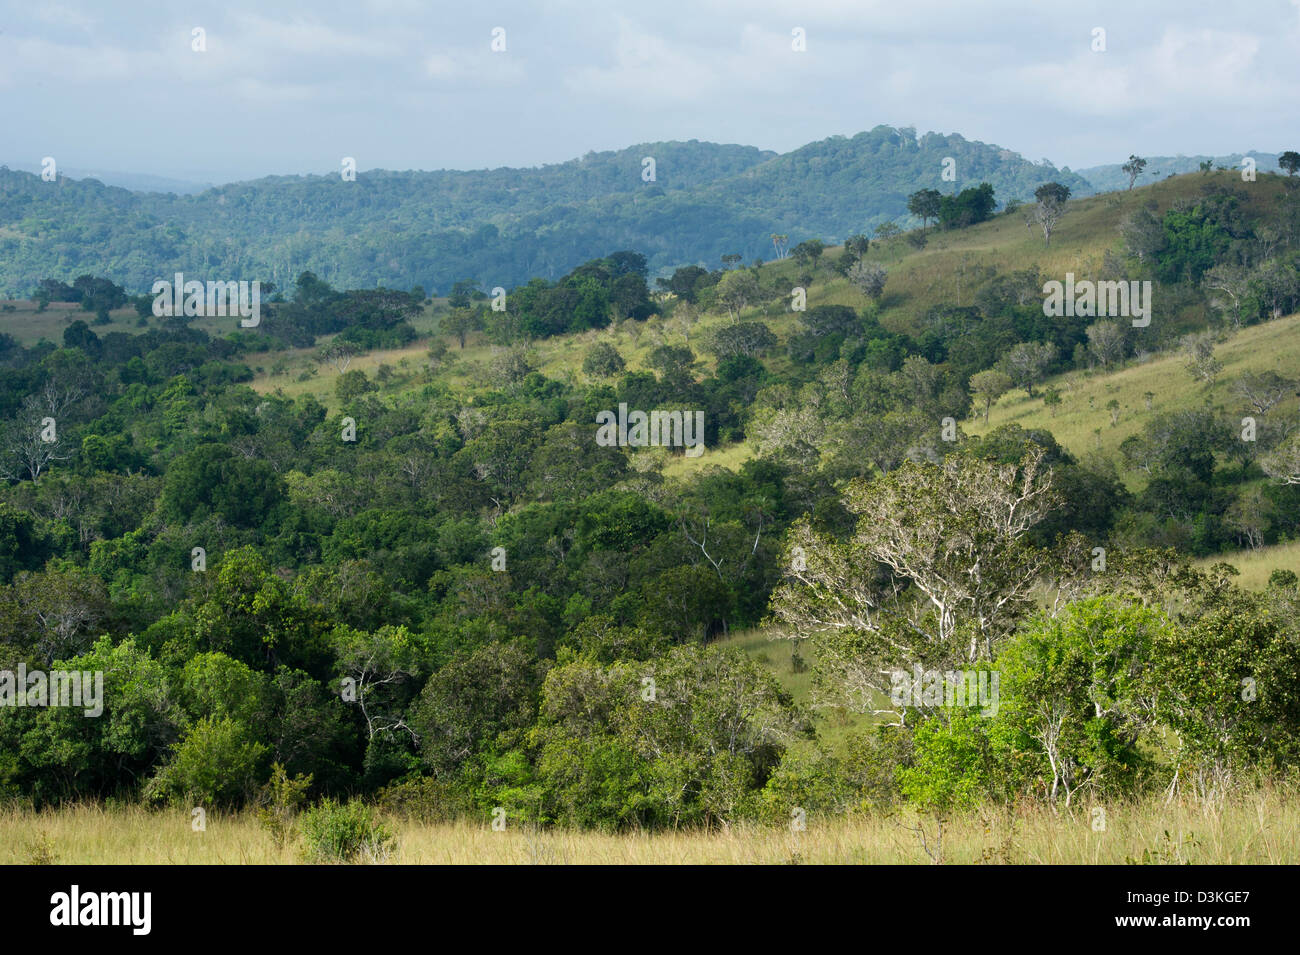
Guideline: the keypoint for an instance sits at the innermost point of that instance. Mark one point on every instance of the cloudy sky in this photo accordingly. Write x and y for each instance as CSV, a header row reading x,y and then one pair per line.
x,y
288,87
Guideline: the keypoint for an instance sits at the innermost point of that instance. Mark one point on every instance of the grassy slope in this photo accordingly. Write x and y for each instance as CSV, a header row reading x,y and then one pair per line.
x,y
1082,422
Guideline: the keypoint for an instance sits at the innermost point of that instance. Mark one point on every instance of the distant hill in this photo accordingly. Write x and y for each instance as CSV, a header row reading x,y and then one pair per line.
x,y
1110,177
499,226
135,181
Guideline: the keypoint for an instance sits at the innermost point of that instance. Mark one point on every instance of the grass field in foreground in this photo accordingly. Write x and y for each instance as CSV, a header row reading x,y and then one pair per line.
x,y
1259,828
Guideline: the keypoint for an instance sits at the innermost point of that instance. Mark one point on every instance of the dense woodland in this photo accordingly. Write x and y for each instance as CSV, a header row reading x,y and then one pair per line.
x,y
473,605
502,226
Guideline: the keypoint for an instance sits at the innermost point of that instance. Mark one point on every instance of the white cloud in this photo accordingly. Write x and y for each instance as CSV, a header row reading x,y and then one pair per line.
x,y
308,37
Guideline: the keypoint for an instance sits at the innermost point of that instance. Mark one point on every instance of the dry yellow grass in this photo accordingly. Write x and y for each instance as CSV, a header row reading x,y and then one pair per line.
x,y
1257,565
1257,828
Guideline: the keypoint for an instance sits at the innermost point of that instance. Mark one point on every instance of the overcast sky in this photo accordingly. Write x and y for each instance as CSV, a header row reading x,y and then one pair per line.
x,y
287,87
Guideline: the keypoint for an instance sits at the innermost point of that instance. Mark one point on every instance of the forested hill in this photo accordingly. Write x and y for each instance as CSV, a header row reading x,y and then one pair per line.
x,y
500,226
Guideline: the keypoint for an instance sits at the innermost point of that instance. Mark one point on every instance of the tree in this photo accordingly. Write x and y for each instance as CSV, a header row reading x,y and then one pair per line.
x,y
1274,289
471,701
1051,197
962,571
68,755
887,230
1198,348
857,245
988,386
823,320
745,338
1114,408
1283,464
1073,691
509,367
736,291
923,377
603,361
1249,515
1263,390
379,666
692,753
460,322
1224,684
684,282
1106,343
673,362
1133,168
338,353
780,242
1144,235
924,204
869,279
1233,283
353,384
967,208
53,614
808,252
218,762
1289,161
1027,363
32,441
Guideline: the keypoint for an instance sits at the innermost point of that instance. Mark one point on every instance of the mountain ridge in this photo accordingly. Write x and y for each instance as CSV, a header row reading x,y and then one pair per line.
x,y
696,202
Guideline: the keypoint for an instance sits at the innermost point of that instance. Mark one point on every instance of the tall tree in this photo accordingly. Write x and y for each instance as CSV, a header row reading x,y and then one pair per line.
x,y
1133,168
988,386
1051,197
1027,363
961,571
924,204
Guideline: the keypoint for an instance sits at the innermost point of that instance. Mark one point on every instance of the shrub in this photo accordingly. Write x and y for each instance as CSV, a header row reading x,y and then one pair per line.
x,y
216,763
279,801
951,767
345,832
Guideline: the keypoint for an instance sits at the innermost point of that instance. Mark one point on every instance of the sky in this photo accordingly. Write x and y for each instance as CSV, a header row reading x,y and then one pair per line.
x,y
287,87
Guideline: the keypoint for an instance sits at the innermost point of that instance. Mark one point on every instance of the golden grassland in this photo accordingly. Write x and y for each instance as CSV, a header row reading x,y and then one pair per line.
x,y
1260,827
1082,422
1256,565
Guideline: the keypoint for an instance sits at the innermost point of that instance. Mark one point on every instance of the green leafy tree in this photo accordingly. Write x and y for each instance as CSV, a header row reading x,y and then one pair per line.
x,y
1133,168
217,762
924,204
1226,684
988,386
1072,696
1027,362
603,361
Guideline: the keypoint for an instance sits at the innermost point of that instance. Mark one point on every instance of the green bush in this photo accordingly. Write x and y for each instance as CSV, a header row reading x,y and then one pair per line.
x,y
950,772
345,832
216,763
278,803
